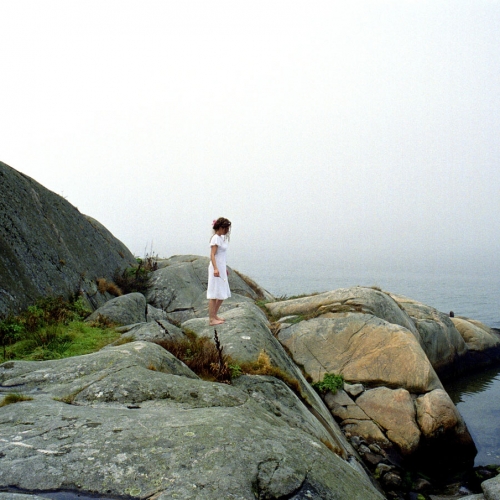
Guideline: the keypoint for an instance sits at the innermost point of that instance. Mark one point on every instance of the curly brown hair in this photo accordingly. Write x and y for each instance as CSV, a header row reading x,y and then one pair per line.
x,y
223,223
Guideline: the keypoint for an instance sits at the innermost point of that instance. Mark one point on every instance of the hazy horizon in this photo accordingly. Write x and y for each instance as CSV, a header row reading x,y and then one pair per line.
x,y
364,132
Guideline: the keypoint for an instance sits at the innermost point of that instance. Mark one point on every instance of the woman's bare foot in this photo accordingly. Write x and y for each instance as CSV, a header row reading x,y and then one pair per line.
x,y
220,319
214,322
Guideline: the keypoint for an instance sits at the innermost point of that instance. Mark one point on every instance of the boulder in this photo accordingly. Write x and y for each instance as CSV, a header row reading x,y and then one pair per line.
x,y
179,287
123,310
131,422
47,247
436,413
393,410
346,300
440,339
445,437
244,336
491,488
477,337
363,348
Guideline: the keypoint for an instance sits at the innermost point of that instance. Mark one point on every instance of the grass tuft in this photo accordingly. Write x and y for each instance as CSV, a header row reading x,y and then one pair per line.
x,y
331,382
12,398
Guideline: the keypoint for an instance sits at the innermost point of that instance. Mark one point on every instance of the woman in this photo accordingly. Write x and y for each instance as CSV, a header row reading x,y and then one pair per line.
x,y
218,286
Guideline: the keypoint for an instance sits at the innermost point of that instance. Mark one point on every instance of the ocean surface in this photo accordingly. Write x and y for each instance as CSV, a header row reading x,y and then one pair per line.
x,y
473,294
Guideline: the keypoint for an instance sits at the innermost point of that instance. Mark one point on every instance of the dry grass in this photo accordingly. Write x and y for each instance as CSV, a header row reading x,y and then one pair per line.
x,y
12,398
108,286
263,366
199,354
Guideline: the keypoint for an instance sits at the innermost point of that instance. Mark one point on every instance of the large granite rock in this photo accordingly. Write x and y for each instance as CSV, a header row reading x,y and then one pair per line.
x,y
244,336
356,299
131,421
47,247
179,287
363,348
399,422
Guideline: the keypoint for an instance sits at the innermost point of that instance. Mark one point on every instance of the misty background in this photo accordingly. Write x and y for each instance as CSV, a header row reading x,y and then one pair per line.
x,y
364,134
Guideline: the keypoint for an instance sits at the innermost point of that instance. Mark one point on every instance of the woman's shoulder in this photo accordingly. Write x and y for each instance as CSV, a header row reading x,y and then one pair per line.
x,y
216,240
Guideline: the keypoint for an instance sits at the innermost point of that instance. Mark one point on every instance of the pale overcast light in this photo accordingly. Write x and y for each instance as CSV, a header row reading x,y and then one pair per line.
x,y
349,129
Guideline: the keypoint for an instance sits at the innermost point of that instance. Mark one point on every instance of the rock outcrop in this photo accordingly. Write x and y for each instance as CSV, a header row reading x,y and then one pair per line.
x,y
179,287
47,247
389,348
134,421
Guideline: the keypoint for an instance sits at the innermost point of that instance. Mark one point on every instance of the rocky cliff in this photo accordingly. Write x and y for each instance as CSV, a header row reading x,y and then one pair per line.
x,y
47,247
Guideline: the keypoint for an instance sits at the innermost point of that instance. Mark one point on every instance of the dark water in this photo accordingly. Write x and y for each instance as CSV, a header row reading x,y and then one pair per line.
x,y
474,294
477,398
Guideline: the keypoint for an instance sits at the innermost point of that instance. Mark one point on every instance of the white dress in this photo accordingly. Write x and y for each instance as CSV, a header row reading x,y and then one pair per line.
x,y
218,288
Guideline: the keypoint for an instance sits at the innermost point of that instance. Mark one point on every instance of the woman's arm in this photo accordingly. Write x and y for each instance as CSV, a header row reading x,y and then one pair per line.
x,y
213,251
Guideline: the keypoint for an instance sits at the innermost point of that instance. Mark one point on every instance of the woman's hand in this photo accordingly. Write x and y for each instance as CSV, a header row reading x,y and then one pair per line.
x,y
216,273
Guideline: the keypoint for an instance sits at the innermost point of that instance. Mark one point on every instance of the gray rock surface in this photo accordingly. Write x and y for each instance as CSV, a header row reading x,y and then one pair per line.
x,y
491,488
141,424
244,336
47,247
179,287
123,310
152,331
440,340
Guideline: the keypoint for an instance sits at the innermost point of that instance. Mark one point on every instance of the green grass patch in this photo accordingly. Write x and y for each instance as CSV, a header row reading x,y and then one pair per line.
x,y
331,382
12,398
61,341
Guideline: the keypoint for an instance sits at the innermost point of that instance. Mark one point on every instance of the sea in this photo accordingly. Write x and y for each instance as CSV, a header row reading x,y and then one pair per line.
x,y
467,291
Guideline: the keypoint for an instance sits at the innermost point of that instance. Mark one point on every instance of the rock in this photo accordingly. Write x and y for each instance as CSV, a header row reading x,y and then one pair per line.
x,y
440,340
447,437
277,398
478,337
343,407
491,488
179,287
155,314
392,480
436,413
353,300
367,430
422,484
123,310
394,411
244,336
19,496
354,389
47,247
158,330
383,468
137,432
362,348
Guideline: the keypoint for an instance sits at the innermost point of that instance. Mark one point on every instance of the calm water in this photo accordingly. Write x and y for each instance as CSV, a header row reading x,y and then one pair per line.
x,y
477,398
472,294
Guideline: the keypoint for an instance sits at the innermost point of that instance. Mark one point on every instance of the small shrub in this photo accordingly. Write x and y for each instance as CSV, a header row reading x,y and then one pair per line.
x,y
330,382
136,278
12,398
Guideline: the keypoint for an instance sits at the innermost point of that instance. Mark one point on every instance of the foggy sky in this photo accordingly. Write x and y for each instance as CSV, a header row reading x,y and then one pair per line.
x,y
354,130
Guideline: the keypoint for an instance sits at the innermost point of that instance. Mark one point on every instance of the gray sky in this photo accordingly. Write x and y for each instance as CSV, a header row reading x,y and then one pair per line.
x,y
354,129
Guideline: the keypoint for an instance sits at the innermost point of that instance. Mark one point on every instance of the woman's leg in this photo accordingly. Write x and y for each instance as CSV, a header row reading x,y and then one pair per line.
x,y
218,303
212,312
